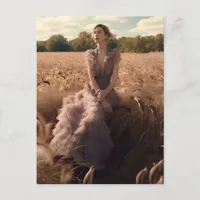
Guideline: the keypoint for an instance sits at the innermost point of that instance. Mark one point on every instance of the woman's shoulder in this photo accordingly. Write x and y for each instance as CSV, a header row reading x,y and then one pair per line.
x,y
116,54
89,52
115,50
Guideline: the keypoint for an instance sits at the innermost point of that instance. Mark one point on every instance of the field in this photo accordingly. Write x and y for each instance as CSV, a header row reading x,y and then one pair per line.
x,y
67,72
60,73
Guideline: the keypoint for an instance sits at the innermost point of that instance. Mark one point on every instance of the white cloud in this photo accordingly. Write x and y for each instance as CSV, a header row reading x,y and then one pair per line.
x,y
110,18
114,31
70,25
149,26
118,36
45,34
69,37
66,25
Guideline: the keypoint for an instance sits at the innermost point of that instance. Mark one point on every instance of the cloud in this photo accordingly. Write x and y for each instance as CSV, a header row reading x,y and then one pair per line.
x,y
46,34
149,26
110,18
114,31
66,25
69,37
118,36
68,21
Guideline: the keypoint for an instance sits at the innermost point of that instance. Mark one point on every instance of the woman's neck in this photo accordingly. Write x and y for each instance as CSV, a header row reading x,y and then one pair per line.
x,y
102,47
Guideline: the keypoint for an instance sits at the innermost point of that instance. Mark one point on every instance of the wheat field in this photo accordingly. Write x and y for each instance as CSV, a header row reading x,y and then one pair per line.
x,y
67,72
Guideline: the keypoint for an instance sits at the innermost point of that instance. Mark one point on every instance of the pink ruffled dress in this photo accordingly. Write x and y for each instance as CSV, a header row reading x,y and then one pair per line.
x,y
81,131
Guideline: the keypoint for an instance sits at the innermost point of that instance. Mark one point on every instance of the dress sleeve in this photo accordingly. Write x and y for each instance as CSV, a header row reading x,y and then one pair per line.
x,y
88,57
116,55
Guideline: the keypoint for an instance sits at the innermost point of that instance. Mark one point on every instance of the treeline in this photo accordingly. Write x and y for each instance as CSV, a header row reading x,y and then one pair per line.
x,y
84,41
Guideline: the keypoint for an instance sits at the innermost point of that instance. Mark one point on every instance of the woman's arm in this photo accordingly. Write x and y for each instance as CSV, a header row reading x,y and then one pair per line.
x,y
113,81
92,80
89,63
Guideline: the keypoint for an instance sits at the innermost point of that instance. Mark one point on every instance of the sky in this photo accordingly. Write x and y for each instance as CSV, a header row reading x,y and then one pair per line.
x,y
71,26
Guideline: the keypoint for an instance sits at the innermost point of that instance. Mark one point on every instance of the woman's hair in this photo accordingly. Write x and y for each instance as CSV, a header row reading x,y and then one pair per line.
x,y
106,30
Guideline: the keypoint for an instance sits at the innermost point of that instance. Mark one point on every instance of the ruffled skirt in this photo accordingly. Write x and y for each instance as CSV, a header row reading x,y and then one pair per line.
x,y
81,131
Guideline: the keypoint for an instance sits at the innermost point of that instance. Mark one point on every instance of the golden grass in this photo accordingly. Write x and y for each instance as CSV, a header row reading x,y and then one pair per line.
x,y
65,72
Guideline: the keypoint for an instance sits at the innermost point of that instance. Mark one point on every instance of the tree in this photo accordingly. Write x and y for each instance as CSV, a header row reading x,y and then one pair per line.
x,y
57,43
113,43
138,44
84,34
84,41
41,46
159,42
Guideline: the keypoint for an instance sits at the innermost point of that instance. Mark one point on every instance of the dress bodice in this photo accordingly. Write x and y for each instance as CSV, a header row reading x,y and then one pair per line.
x,y
102,72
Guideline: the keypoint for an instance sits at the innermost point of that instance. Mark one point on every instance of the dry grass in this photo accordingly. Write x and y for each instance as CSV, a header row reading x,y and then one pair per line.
x,y
65,72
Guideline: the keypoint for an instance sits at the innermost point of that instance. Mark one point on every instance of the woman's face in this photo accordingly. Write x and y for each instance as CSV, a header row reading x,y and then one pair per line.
x,y
99,35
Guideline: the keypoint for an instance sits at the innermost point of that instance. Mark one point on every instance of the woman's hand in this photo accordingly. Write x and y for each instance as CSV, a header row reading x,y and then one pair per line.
x,y
101,95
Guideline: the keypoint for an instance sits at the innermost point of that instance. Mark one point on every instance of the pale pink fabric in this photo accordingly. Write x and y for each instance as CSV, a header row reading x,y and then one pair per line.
x,y
81,130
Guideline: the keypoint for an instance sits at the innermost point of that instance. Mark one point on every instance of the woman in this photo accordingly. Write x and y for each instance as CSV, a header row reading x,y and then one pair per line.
x,y
81,131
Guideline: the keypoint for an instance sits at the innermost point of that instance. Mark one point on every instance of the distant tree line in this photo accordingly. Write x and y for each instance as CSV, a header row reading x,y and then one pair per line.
x,y
84,41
